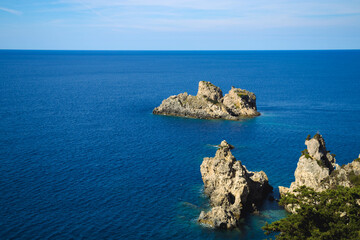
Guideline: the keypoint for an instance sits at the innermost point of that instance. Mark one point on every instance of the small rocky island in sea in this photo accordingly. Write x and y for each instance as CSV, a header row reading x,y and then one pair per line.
x,y
317,169
233,190
209,103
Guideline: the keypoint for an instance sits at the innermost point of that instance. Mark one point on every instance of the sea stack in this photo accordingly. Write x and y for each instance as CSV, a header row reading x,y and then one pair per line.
x,y
232,189
209,103
317,169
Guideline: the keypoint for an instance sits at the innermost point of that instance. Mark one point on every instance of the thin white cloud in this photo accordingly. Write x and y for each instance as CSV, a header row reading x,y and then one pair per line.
x,y
12,11
284,6
177,4
208,15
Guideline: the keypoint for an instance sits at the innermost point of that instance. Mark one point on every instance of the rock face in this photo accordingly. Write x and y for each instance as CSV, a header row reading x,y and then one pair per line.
x,y
231,188
317,169
209,103
209,91
240,102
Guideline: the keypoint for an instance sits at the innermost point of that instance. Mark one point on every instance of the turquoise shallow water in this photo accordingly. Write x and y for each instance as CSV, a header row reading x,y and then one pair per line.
x,y
82,157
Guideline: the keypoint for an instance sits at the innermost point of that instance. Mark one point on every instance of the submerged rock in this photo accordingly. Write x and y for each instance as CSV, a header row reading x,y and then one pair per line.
x,y
209,103
231,187
318,170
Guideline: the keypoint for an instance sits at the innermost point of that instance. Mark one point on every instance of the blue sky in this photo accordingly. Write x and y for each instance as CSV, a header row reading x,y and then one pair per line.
x,y
179,25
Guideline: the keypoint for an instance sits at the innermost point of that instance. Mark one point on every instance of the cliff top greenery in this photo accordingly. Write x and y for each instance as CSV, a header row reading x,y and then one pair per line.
x,y
331,214
208,83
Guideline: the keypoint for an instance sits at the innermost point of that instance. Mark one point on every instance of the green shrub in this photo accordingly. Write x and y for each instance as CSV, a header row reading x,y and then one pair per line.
x,y
317,136
208,83
330,214
305,153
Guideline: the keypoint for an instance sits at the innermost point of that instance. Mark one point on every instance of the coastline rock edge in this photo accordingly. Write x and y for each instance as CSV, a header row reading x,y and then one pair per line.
x,y
317,169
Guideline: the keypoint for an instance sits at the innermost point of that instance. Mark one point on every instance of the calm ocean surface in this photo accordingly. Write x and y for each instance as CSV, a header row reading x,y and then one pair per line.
x,y
82,156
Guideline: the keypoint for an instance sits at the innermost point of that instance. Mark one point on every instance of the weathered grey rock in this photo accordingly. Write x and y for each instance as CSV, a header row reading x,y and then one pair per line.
x,y
231,188
240,102
318,170
209,103
218,217
209,91
317,150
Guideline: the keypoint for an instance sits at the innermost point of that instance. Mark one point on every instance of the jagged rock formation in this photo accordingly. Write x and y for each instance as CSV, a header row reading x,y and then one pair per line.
x,y
209,103
231,188
318,170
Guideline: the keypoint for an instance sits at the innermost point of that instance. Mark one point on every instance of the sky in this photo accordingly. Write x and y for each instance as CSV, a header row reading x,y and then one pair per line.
x,y
179,24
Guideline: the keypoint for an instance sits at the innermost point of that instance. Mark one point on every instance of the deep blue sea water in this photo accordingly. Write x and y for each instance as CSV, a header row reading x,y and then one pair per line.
x,y
82,156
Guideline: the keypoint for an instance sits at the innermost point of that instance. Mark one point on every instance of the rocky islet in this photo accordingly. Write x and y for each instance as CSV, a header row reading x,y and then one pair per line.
x,y
209,103
232,189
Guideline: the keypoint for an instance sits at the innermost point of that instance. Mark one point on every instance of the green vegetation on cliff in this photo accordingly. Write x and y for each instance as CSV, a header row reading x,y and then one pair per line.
x,y
331,214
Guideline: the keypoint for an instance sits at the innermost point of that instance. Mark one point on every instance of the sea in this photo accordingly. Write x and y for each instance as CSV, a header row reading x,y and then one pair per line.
x,y
83,157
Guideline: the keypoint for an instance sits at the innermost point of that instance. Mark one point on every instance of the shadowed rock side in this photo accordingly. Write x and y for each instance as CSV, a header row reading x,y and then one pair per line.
x,y
318,170
209,103
231,188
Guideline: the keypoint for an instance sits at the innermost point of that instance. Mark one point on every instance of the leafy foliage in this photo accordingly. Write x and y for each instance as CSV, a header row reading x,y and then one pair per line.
x,y
317,136
331,214
306,153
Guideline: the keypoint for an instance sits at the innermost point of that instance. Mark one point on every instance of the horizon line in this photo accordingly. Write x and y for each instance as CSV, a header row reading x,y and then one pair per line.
x,y
179,50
